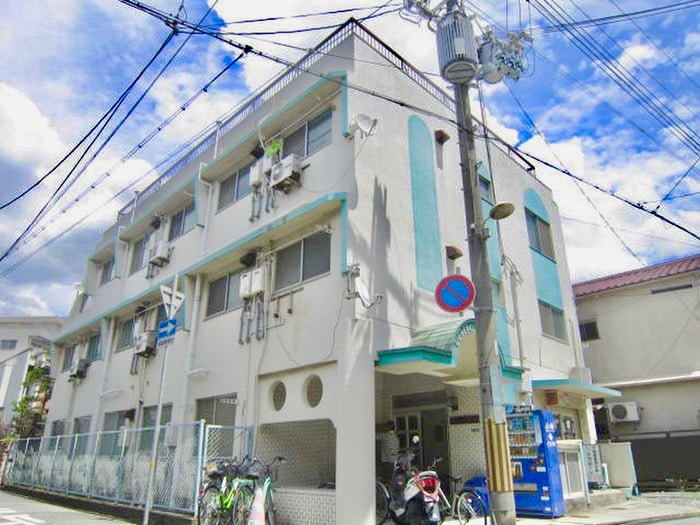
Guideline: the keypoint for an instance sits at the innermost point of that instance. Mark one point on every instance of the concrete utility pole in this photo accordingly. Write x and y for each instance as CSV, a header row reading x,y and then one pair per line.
x,y
460,65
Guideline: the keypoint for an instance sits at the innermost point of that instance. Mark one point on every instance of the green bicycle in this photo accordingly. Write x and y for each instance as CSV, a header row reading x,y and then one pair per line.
x,y
218,492
255,500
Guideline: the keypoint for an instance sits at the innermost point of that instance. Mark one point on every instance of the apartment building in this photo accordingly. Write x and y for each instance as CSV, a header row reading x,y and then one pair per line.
x,y
640,331
307,236
25,344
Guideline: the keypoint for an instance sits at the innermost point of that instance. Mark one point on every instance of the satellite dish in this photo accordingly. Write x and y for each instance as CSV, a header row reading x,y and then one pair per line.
x,y
364,124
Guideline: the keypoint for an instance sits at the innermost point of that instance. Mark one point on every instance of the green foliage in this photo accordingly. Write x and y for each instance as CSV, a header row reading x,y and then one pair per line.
x,y
29,412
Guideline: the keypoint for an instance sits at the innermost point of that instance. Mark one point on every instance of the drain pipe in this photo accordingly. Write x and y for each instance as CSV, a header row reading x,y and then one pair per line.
x,y
191,346
515,278
210,191
109,325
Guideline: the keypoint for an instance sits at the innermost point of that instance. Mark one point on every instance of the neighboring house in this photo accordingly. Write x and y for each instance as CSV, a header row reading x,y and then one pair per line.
x,y
309,310
641,333
25,344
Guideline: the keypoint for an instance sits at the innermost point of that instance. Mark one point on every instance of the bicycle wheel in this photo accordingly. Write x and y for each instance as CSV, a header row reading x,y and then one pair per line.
x,y
381,503
208,513
242,504
469,506
270,514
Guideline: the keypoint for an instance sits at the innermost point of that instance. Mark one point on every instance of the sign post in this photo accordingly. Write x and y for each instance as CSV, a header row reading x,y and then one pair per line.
x,y
172,301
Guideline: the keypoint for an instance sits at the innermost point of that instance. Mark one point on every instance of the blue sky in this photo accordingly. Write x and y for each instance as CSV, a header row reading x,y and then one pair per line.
x,y
62,67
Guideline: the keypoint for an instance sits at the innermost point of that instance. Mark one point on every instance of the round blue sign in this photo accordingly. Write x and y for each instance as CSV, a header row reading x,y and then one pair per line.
x,y
454,293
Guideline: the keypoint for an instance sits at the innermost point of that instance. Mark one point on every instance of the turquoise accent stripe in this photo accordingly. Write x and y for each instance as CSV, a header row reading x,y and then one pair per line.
x,y
344,124
493,247
533,202
197,201
574,386
426,222
483,171
344,237
340,196
547,280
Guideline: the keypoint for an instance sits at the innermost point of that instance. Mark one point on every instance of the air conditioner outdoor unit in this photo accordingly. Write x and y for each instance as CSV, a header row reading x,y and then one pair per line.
x,y
160,254
285,172
257,172
78,369
627,412
145,343
245,283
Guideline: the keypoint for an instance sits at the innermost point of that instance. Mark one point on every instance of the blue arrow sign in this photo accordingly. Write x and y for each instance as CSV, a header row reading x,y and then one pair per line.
x,y
166,329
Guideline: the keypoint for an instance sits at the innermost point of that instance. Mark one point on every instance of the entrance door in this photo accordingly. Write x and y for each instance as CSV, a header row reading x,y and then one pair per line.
x,y
435,441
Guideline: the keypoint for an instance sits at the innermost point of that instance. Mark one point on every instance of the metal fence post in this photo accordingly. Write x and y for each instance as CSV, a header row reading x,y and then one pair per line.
x,y
37,461
53,461
200,463
91,478
72,459
121,467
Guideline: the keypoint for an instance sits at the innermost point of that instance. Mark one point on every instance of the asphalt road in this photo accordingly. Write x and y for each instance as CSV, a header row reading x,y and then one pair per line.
x,y
20,510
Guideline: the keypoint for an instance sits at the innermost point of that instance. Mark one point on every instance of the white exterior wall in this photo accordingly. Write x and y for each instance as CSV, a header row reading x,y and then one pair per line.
x,y
646,337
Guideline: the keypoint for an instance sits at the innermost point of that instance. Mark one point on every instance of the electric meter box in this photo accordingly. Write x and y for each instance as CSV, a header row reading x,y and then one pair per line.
x,y
257,283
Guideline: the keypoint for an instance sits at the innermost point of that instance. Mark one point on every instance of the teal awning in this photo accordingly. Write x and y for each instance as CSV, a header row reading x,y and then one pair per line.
x,y
572,386
433,350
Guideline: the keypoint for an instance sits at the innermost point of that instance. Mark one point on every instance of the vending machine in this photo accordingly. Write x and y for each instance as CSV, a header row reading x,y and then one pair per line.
x,y
535,462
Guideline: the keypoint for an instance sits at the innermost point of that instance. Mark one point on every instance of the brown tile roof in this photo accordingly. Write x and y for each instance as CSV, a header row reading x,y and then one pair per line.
x,y
641,275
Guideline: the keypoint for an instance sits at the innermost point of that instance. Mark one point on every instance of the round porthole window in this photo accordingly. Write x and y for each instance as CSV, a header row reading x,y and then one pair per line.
x,y
278,394
313,390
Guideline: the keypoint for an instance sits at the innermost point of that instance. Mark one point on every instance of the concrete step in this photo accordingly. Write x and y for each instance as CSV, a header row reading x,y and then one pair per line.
x,y
599,498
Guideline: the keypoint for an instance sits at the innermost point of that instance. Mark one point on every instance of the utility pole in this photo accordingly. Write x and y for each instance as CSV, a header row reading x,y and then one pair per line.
x,y
460,64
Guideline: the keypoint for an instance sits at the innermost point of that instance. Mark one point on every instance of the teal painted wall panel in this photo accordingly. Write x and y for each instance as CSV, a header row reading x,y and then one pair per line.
x,y
493,247
502,335
533,202
510,394
426,221
547,280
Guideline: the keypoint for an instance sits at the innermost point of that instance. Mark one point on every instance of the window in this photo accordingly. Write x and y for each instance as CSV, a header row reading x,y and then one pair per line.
x,y
149,422
58,427
486,192
234,187
68,354
106,271
81,425
219,410
589,330
109,441
126,334
311,137
552,320
303,260
8,344
138,255
223,293
182,221
539,235
94,351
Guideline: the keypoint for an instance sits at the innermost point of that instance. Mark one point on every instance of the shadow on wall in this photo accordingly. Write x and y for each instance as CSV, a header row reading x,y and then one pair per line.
x,y
309,447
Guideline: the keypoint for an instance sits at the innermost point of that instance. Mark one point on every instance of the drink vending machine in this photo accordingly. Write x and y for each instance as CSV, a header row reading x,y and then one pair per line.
x,y
535,462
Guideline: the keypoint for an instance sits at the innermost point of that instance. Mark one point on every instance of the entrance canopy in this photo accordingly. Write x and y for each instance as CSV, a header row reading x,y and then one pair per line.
x,y
445,350
572,386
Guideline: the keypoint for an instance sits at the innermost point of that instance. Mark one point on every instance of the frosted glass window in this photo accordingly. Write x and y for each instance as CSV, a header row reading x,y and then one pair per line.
x,y
317,255
319,133
288,266
217,296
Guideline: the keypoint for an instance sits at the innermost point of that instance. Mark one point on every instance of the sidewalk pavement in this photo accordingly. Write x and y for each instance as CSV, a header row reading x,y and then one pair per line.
x,y
636,511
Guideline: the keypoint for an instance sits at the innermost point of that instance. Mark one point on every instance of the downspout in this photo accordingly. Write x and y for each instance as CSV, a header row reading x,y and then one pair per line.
x,y
191,346
111,323
514,278
210,191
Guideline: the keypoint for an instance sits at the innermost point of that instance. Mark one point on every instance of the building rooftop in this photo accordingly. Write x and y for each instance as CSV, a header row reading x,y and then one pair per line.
x,y
638,276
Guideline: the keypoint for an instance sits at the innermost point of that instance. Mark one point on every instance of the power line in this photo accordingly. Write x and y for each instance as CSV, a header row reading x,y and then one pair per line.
x,y
675,185
624,244
633,232
621,76
65,179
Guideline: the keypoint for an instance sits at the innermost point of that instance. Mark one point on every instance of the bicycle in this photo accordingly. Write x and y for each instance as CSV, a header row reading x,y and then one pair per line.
x,y
255,500
466,504
218,492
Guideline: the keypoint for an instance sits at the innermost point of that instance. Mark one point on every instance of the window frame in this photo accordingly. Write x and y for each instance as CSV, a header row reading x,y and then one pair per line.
x,y
121,344
543,242
227,306
94,352
306,127
68,358
584,331
144,240
186,221
8,344
107,276
236,193
563,336
301,274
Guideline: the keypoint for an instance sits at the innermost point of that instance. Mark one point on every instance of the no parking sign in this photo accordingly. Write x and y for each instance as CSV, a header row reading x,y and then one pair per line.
x,y
454,293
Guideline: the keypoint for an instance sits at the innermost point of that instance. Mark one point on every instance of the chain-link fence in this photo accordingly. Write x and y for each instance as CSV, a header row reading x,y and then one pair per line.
x,y
114,465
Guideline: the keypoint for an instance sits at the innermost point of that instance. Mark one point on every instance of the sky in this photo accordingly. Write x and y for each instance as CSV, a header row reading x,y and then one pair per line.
x,y
63,64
